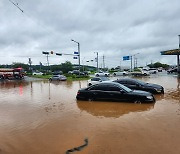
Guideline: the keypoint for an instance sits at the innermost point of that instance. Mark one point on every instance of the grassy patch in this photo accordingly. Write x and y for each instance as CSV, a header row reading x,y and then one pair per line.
x,y
70,78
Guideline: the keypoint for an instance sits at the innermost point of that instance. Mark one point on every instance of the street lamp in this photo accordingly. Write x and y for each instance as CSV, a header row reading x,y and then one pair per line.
x,y
78,51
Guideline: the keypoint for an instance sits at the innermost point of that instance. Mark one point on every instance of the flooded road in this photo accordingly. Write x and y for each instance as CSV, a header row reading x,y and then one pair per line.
x,y
45,118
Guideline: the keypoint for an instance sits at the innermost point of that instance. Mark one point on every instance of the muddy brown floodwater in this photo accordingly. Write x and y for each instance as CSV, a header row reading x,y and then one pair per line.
x,y
44,118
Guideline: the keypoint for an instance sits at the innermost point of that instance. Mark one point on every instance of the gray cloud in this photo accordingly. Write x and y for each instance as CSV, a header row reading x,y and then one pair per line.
x,y
113,28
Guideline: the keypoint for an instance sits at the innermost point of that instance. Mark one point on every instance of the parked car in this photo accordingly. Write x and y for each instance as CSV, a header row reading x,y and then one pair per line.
x,y
114,92
140,85
77,72
172,70
37,73
97,80
58,78
57,73
86,72
120,73
153,70
100,73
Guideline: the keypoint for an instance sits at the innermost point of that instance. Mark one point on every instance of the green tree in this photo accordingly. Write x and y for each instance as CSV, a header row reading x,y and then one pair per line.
x,y
67,66
17,64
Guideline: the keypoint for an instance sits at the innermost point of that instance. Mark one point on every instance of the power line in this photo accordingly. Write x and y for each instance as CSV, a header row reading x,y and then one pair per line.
x,y
16,5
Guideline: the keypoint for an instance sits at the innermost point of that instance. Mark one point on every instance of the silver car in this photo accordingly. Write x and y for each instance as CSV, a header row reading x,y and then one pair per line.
x,y
58,78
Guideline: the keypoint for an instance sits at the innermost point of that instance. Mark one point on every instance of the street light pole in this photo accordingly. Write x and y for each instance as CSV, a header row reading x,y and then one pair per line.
x,y
78,52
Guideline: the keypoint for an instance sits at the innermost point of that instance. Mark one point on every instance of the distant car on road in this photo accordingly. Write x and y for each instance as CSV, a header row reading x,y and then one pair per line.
x,y
101,73
120,73
97,80
37,73
140,85
113,91
58,78
141,72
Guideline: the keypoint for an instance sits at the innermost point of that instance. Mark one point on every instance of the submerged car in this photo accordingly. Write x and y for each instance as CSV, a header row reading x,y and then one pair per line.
x,y
58,78
113,91
140,85
97,80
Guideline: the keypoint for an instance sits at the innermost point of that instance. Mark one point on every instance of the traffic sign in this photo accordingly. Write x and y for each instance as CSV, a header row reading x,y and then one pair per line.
x,y
126,57
76,53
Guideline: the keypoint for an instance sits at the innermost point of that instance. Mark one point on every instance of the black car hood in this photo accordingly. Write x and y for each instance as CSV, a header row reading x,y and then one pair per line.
x,y
154,85
140,92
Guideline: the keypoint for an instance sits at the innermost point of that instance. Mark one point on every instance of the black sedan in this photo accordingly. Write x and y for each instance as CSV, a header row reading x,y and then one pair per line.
x,y
140,85
114,92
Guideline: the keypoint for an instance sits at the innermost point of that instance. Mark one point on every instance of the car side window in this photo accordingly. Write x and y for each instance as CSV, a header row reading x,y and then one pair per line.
x,y
113,88
95,79
122,82
131,83
98,87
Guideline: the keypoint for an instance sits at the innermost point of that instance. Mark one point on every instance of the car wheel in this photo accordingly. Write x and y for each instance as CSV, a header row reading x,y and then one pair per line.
x,y
106,75
97,74
90,84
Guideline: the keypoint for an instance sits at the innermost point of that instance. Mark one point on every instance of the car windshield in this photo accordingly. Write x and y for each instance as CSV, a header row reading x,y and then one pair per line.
x,y
125,88
140,82
104,79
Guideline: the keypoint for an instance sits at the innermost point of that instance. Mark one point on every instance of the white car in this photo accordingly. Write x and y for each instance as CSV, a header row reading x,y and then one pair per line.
x,y
97,80
37,73
58,78
153,70
120,73
102,74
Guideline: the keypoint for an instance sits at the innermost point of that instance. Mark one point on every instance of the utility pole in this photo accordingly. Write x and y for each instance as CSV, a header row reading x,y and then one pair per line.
x,y
103,62
97,60
47,56
131,63
30,62
135,60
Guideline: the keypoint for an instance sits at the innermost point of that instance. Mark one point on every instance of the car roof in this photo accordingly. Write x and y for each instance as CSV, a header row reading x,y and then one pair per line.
x,y
127,79
108,83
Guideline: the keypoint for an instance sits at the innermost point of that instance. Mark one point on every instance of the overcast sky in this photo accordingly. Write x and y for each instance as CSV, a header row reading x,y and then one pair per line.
x,y
113,28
